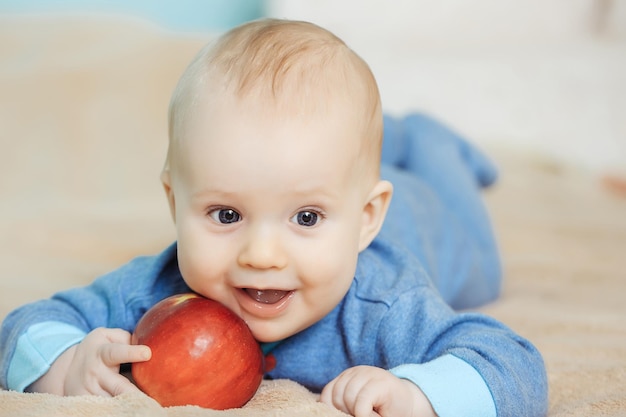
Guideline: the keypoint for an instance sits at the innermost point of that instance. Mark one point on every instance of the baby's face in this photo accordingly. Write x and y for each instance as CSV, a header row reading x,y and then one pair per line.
x,y
269,212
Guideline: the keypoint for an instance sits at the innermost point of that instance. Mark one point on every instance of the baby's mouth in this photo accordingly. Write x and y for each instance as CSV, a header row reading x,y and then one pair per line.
x,y
266,296
264,304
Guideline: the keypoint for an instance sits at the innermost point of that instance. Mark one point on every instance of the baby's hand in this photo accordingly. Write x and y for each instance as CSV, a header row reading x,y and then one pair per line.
x,y
92,367
367,391
95,367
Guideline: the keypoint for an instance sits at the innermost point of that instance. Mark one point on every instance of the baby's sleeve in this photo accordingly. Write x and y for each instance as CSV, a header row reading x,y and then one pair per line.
x,y
448,377
36,350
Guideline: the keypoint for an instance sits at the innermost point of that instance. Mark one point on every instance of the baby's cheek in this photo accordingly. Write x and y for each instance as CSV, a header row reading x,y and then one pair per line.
x,y
198,274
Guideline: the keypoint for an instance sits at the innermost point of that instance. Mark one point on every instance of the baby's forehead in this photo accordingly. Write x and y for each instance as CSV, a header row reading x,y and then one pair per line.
x,y
246,133
252,130
314,104
301,115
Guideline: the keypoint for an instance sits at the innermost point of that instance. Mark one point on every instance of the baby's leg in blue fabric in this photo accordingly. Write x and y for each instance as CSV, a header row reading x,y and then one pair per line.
x,y
438,177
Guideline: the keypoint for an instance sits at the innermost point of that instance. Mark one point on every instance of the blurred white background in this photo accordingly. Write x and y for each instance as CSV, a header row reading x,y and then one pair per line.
x,y
545,75
542,75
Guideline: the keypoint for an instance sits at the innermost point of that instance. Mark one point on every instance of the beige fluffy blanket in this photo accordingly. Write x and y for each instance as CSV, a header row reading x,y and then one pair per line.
x,y
83,135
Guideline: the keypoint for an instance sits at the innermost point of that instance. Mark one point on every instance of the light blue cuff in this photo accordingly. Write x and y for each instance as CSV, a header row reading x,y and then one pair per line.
x,y
37,349
453,387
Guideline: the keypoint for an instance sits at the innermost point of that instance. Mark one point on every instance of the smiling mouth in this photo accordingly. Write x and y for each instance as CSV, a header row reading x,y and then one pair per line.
x,y
266,296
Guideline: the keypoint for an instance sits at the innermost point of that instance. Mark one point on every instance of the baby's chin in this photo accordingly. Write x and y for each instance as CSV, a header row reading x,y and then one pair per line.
x,y
268,333
273,331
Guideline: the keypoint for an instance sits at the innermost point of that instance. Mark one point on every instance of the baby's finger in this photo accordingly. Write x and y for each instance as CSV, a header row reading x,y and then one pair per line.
x,y
326,396
115,384
117,354
363,407
333,394
118,336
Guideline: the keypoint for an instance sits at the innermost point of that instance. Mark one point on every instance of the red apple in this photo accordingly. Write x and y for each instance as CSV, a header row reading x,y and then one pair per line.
x,y
202,354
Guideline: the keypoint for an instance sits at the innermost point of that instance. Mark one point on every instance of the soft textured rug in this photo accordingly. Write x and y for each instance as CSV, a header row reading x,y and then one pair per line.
x,y
83,132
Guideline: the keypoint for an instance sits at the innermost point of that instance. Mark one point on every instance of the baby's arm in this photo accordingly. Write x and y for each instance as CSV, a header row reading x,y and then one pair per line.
x,y
92,366
465,364
34,336
367,391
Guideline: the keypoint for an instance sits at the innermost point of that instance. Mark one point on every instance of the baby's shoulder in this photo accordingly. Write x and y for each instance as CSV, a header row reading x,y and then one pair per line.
x,y
385,271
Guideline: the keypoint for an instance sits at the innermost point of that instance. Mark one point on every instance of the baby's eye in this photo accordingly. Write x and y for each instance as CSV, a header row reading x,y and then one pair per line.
x,y
225,215
306,218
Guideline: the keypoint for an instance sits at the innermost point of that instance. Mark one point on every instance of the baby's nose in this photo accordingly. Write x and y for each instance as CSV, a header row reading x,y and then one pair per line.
x,y
262,249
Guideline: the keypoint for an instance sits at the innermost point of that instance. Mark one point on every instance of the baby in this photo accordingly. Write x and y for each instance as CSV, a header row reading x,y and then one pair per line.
x,y
283,214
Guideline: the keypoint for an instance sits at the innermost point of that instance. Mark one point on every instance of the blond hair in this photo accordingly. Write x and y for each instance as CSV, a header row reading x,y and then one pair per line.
x,y
289,62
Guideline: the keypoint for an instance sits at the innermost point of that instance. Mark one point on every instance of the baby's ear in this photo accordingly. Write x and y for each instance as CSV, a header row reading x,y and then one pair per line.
x,y
374,212
166,180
